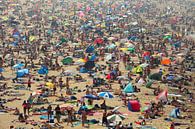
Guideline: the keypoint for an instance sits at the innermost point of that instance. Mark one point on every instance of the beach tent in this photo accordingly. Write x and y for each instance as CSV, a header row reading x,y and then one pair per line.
x,y
162,96
67,60
166,62
134,106
137,69
43,70
129,88
90,49
175,113
22,72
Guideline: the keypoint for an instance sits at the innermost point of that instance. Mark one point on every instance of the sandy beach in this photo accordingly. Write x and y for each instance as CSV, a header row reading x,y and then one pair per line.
x,y
136,56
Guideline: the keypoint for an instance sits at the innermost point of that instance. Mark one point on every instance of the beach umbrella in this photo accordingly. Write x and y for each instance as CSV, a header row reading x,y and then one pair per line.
x,y
22,72
18,66
116,109
43,70
130,45
38,92
149,84
111,38
67,60
91,96
109,57
90,49
167,36
146,53
4,18
124,49
66,107
137,69
1,70
116,118
166,62
131,49
132,38
144,109
122,78
129,88
144,65
155,76
50,85
112,46
106,95
32,38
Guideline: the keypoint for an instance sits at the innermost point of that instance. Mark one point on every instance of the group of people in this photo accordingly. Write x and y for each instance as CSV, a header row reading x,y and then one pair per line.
x,y
86,47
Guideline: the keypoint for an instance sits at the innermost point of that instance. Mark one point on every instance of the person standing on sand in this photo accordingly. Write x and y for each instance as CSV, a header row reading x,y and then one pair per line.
x,y
104,118
28,106
49,111
70,116
24,105
58,113
29,83
84,117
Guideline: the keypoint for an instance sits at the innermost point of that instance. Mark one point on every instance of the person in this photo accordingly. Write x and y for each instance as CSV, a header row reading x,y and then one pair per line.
x,y
172,126
49,111
130,126
70,116
58,113
104,119
16,112
21,118
28,106
24,105
54,89
119,125
29,83
60,83
103,105
84,117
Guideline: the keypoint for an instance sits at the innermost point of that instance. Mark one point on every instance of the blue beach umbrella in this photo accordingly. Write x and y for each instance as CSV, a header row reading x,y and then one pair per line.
x,y
107,95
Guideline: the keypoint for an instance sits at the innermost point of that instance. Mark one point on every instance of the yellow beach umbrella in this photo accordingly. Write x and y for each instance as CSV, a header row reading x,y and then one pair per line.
x,y
32,38
124,49
81,60
50,85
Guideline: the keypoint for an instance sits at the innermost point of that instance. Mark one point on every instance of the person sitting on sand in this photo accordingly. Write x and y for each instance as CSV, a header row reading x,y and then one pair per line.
x,y
68,91
21,118
136,89
16,112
